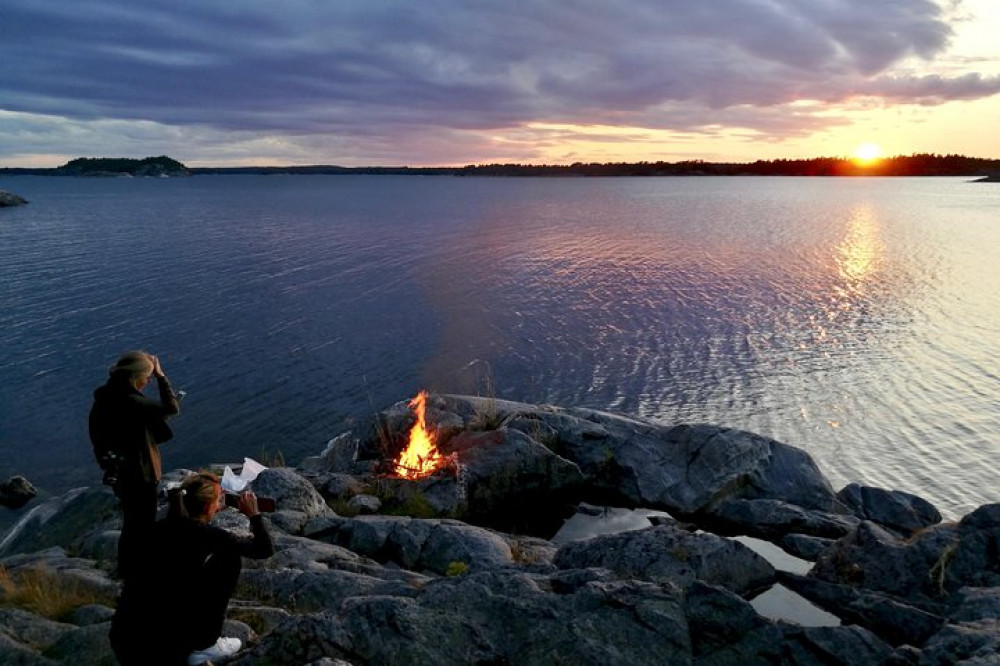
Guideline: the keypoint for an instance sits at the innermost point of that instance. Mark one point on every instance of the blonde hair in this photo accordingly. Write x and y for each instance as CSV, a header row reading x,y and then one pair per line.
x,y
196,495
133,364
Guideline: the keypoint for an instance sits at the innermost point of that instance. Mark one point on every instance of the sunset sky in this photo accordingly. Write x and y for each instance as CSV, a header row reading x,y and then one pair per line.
x,y
434,82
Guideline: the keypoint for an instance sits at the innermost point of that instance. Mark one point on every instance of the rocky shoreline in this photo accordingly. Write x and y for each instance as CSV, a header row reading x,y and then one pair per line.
x,y
462,567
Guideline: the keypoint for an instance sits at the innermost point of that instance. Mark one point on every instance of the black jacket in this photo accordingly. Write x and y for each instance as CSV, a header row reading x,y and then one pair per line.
x,y
125,422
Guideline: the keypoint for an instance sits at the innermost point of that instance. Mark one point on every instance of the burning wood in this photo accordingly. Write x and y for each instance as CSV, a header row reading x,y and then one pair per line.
x,y
421,457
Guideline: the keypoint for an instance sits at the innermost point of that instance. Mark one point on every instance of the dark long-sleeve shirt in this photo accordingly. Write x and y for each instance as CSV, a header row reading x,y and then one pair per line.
x,y
124,421
161,600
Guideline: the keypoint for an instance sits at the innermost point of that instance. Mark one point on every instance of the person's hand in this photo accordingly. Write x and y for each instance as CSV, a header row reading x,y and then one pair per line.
x,y
248,504
157,370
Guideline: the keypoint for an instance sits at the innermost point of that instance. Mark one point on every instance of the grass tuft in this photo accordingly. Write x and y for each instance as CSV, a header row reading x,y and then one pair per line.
x,y
46,593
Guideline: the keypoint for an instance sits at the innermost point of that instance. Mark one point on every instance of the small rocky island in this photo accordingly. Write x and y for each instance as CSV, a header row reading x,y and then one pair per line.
x,y
123,167
11,199
463,565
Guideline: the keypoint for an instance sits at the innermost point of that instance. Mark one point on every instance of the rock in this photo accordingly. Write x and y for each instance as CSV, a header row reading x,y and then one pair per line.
x,y
260,619
807,547
99,545
833,645
339,486
11,199
687,468
363,504
501,479
29,630
434,545
894,509
90,614
893,621
725,629
976,603
451,542
311,591
662,554
590,510
965,643
83,645
927,567
494,617
556,457
339,456
508,477
16,654
290,491
975,560
773,519
876,559
60,521
16,491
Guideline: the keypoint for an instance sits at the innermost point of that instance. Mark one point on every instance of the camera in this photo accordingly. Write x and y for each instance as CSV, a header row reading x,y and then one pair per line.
x,y
111,463
264,504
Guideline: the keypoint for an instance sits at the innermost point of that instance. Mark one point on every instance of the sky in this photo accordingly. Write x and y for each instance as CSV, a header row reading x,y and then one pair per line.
x,y
449,83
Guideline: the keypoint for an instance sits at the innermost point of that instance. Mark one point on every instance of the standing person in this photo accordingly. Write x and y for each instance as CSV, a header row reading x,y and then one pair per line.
x,y
172,610
126,429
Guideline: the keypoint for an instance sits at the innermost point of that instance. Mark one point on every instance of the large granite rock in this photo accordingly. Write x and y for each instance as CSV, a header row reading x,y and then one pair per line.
x,y
665,553
290,491
874,558
773,519
433,545
927,567
975,561
512,455
61,521
903,512
892,620
687,469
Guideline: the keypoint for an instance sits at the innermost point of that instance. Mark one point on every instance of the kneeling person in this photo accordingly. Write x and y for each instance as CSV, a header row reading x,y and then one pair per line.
x,y
171,611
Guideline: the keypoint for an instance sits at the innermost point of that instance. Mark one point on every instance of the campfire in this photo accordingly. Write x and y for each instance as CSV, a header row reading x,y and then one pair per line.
x,y
421,457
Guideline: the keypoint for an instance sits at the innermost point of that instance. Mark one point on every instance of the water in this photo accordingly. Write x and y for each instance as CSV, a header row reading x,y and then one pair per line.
x,y
854,318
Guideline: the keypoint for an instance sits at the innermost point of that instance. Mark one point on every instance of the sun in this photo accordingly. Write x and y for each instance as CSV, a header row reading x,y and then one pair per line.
x,y
867,153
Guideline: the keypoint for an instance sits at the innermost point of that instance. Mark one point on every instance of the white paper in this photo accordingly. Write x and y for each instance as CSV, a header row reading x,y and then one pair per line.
x,y
237,484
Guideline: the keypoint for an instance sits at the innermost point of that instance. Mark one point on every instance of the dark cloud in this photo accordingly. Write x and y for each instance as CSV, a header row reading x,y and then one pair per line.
x,y
375,71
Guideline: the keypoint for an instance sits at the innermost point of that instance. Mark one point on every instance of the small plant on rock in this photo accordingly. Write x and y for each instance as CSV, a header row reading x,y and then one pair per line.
x,y
456,568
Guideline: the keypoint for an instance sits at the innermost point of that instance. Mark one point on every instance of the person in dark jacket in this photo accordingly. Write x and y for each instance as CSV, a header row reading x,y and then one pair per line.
x,y
126,429
172,610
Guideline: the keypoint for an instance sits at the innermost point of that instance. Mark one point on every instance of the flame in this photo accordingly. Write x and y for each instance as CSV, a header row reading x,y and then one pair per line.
x,y
420,458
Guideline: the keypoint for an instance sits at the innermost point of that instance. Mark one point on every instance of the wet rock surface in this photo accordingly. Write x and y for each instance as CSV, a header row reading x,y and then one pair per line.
x,y
371,569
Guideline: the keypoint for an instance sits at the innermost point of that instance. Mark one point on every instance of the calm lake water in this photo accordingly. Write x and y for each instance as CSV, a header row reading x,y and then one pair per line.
x,y
854,318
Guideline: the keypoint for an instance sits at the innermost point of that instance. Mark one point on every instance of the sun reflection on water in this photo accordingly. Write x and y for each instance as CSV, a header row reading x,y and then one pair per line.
x,y
859,256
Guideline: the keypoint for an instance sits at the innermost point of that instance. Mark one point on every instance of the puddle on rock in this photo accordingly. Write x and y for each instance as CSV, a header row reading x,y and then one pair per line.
x,y
777,603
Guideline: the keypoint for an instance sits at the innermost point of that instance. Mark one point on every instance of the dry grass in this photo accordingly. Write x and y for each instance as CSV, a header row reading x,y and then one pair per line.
x,y
487,417
267,459
46,593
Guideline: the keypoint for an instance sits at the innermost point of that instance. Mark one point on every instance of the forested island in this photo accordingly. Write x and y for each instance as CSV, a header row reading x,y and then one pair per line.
x,y
924,164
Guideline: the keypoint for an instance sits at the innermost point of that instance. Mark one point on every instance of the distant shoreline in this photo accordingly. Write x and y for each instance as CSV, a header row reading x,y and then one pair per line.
x,y
911,165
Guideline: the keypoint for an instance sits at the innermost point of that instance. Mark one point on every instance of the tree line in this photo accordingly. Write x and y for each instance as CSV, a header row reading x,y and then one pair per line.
x,y
921,164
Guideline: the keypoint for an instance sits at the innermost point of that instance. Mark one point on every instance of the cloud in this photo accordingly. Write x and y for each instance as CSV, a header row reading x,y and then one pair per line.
x,y
933,89
374,75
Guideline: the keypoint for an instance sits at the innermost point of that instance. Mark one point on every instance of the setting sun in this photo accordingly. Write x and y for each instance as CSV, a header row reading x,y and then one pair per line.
x,y
867,152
